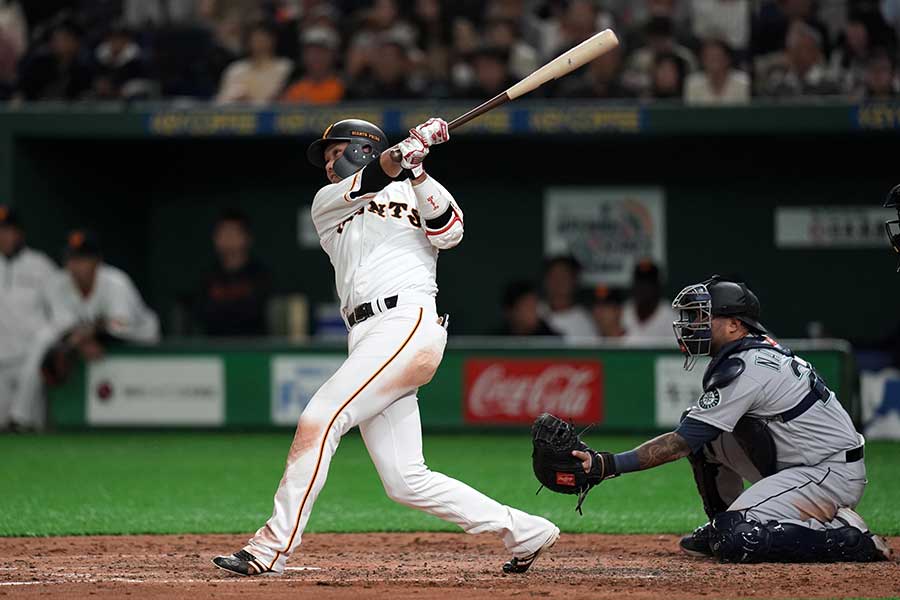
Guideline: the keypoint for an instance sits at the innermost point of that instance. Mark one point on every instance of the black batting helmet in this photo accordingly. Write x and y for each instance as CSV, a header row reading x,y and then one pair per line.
x,y
366,142
892,227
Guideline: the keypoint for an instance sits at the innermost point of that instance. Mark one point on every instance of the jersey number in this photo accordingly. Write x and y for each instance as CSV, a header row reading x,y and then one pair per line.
x,y
802,369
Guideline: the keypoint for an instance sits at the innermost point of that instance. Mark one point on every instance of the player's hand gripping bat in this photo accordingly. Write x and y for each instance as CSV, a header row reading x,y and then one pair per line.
x,y
591,48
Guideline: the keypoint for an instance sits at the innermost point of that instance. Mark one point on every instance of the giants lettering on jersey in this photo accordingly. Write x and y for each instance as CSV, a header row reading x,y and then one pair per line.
x,y
396,210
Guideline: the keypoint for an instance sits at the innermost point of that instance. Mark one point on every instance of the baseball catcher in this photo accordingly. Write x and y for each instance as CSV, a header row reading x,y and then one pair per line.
x,y
765,416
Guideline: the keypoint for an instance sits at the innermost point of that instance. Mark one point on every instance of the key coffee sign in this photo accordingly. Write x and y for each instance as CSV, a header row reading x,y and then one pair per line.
x,y
503,391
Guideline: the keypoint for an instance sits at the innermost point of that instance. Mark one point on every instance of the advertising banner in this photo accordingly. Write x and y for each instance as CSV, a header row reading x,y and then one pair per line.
x,y
295,378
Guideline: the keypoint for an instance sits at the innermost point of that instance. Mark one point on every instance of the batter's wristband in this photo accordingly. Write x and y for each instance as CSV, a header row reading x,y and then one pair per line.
x,y
430,199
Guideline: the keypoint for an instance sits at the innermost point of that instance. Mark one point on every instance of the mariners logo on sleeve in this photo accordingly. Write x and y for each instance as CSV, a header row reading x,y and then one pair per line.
x,y
709,399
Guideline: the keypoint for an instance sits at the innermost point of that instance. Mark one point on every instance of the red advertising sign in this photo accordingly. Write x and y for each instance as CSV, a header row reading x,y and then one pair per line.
x,y
516,391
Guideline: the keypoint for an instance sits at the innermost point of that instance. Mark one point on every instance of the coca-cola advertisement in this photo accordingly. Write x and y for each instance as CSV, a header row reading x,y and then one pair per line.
x,y
506,391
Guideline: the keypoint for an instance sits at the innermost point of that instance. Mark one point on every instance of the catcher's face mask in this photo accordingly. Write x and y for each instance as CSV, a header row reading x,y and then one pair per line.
x,y
693,329
892,228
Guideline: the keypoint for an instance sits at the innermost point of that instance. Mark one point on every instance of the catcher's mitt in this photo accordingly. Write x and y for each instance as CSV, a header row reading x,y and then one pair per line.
x,y
554,466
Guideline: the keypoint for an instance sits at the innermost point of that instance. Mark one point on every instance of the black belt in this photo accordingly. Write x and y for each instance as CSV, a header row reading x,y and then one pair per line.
x,y
855,454
365,310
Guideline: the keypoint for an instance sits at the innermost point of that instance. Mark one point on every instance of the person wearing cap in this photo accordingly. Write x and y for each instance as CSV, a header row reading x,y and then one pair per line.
x,y
647,315
23,274
259,78
607,312
560,309
91,305
319,82
766,417
520,311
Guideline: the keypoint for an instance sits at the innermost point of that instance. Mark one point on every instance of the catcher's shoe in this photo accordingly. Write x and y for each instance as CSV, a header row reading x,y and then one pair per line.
x,y
883,551
697,544
521,564
241,563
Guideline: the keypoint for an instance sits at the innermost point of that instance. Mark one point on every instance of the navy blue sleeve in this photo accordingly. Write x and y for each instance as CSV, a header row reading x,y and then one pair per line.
x,y
696,433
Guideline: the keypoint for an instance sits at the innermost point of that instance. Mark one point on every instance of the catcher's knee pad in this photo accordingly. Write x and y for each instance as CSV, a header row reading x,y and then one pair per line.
x,y
733,538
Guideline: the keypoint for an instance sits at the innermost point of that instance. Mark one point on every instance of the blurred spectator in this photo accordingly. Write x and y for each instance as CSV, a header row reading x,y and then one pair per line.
x,y
520,311
24,273
718,82
491,74
669,73
608,312
504,34
561,309
602,79
92,305
648,315
775,18
386,75
59,71
259,78
319,83
848,60
373,28
659,37
13,43
880,76
728,20
434,37
801,71
120,69
234,295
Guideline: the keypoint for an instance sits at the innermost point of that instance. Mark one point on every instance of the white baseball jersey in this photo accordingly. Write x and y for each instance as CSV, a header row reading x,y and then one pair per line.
x,y
771,384
23,310
114,300
375,242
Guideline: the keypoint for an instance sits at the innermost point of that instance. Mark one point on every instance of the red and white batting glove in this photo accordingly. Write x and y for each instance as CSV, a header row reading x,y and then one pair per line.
x,y
432,132
412,153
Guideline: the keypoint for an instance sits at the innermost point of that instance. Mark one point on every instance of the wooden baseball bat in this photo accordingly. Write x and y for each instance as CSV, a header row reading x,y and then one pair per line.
x,y
596,45
577,56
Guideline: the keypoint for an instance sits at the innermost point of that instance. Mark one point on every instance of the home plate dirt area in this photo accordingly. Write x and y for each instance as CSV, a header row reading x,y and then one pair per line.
x,y
407,565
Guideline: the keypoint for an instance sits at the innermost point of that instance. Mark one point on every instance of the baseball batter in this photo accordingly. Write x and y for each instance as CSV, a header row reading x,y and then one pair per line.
x,y
766,417
382,223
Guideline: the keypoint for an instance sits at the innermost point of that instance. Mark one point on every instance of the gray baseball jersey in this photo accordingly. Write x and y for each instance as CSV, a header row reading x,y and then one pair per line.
x,y
770,385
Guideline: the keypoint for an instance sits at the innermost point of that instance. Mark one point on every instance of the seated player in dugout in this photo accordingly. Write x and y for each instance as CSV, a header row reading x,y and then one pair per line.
x,y
382,220
92,304
766,417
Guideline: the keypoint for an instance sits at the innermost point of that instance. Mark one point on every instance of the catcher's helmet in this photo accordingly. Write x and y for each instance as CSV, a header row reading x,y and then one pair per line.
x,y
892,227
365,143
697,305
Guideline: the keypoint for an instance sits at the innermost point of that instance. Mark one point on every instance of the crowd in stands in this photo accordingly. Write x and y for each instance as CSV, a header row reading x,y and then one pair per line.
x,y
320,52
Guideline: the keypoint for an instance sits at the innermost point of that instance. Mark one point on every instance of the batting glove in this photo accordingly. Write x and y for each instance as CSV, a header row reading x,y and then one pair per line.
x,y
432,132
412,153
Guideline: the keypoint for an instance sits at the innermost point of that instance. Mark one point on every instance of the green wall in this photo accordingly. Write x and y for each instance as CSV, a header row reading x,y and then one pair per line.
x,y
153,199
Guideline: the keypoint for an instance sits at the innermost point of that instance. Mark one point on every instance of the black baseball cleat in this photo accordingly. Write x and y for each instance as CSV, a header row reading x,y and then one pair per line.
x,y
521,564
241,563
697,544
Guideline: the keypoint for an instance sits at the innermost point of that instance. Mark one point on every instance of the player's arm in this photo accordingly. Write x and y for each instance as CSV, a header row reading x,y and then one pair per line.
x,y
443,219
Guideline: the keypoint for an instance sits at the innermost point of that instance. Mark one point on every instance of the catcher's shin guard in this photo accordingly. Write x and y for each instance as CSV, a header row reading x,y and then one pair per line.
x,y
736,539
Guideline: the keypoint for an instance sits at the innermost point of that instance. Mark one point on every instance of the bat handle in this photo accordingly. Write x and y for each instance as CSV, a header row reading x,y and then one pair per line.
x,y
498,100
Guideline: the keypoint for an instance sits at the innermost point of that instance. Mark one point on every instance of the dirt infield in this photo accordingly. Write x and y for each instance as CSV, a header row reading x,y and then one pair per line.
x,y
450,566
